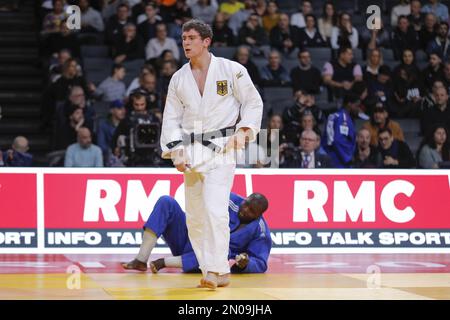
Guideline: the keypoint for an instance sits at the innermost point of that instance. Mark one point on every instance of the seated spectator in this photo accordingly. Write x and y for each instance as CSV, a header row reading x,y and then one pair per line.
x,y
66,132
381,87
434,149
344,34
294,129
205,10
77,97
65,39
402,9
408,63
310,36
416,18
298,18
253,35
408,93
303,102
83,153
243,57
433,72
308,156
274,74
162,42
53,21
437,8
166,56
375,38
18,155
394,153
237,19
366,155
339,138
55,69
107,127
305,76
440,44
113,87
147,28
128,46
115,24
439,113
230,7
404,37
147,89
284,37
379,120
367,102
271,17
223,36
428,31
327,21
374,62
429,100
146,68
261,7
340,74
91,19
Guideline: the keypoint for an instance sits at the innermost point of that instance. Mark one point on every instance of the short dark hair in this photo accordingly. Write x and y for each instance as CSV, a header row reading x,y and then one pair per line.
x,y
383,130
116,66
343,49
385,70
201,27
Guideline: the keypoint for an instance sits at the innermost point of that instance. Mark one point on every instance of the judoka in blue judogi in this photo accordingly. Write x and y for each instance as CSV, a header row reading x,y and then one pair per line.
x,y
250,241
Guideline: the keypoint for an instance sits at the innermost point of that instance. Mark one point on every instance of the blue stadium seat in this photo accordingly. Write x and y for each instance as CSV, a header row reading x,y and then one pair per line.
x,y
134,65
97,64
421,56
275,94
94,51
101,109
388,54
289,64
97,76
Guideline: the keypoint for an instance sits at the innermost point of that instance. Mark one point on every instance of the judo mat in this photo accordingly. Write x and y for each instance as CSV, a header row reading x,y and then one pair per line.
x,y
289,276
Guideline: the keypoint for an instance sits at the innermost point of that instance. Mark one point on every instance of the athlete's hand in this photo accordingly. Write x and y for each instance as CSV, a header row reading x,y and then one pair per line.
x,y
242,260
179,160
238,140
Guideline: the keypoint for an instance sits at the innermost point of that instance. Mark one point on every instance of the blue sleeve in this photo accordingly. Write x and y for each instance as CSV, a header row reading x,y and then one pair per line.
x,y
343,145
189,262
101,137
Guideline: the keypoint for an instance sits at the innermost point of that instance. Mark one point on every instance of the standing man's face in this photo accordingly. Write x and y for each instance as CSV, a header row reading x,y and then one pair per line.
x,y
193,44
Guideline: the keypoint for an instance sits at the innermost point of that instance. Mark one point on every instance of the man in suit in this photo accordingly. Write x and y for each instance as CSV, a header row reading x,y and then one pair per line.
x,y
308,156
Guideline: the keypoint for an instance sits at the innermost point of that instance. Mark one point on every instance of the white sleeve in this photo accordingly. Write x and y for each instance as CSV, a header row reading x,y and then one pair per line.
x,y
334,38
251,103
171,131
354,38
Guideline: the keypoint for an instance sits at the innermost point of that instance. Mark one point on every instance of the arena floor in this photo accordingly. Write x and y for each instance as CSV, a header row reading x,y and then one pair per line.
x,y
299,276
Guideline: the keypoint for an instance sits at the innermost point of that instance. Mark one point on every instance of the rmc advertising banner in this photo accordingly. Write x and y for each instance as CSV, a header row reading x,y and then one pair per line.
x,y
103,210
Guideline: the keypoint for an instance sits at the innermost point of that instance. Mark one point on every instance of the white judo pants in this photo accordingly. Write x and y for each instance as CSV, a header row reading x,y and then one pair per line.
x,y
207,218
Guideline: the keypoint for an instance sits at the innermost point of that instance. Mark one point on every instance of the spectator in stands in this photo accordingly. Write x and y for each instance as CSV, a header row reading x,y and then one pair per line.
x,y
375,38
271,17
298,19
230,7
402,9
446,79
379,120
440,44
284,37
305,76
83,153
408,93
205,10
128,46
253,35
435,148
433,72
366,155
166,56
340,74
416,18
427,33
309,36
146,68
65,39
367,102
260,8
18,155
66,132
274,73
162,42
107,127
437,8
374,62
113,87
303,102
439,113
165,75
137,152
115,24
77,97
394,153
239,18
430,99
109,9
404,37
181,14
55,69
243,57
344,34
166,10
53,21
147,28
91,19
307,157
339,139
223,36
327,21
148,90
407,62
294,129
381,86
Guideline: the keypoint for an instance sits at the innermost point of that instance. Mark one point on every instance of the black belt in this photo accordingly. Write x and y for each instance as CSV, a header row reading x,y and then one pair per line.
x,y
204,138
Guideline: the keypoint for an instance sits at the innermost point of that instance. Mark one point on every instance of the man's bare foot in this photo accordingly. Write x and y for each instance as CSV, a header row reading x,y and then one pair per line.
x,y
210,281
157,265
224,280
135,265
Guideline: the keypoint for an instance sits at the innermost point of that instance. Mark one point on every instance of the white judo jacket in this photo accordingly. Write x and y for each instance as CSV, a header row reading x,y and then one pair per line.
x,y
229,94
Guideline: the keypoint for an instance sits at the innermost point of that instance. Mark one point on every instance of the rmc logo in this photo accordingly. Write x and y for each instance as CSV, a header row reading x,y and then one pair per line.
x,y
73,21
